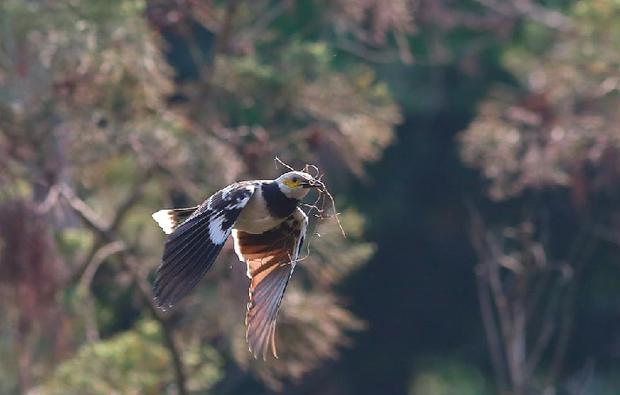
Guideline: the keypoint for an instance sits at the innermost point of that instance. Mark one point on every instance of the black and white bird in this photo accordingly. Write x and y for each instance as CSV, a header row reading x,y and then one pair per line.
x,y
268,230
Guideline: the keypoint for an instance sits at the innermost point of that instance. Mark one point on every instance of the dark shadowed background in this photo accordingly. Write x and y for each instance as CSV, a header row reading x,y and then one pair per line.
x,y
472,148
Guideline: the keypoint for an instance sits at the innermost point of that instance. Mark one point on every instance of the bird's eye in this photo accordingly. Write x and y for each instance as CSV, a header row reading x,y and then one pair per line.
x,y
295,179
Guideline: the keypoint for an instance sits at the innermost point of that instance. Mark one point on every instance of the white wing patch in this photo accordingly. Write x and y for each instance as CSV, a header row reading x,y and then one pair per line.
x,y
164,220
193,246
217,235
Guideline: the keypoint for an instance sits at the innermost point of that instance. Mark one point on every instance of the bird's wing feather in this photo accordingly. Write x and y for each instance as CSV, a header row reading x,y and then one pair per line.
x,y
170,219
192,247
271,257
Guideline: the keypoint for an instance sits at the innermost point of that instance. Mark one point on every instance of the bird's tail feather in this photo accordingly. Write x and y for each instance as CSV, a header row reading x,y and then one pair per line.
x,y
169,219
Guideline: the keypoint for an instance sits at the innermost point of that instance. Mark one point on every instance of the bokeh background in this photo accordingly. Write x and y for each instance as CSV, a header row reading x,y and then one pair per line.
x,y
472,147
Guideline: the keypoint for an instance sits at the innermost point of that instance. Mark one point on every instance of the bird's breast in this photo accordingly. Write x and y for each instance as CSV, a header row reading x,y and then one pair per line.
x,y
256,217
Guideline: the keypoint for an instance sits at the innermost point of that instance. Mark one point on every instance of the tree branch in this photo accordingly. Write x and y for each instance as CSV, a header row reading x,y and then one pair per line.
x,y
527,9
83,287
490,327
107,235
484,296
589,240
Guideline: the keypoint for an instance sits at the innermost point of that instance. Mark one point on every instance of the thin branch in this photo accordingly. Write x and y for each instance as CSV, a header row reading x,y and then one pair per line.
x,y
501,302
549,316
223,36
132,198
538,290
484,296
403,48
367,54
100,256
540,345
92,221
525,8
83,288
50,200
86,214
181,378
78,271
580,259
490,327
265,19
542,15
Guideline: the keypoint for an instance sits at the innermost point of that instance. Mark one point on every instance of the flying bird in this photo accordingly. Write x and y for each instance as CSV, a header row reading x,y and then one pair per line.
x,y
268,230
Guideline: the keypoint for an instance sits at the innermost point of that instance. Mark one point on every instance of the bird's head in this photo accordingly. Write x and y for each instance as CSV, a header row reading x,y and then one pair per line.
x,y
296,184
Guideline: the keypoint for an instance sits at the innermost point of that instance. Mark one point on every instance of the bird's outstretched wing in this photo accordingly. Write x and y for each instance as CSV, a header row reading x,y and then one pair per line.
x,y
193,245
271,257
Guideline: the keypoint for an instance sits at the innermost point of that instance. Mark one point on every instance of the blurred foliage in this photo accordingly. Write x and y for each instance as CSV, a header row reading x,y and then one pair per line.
x,y
133,362
560,124
441,376
95,134
112,110
548,145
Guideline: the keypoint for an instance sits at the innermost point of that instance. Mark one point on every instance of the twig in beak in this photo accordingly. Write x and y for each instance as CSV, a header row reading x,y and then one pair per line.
x,y
323,191
277,160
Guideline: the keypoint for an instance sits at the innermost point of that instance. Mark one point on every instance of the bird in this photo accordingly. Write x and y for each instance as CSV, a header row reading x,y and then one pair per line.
x,y
268,229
